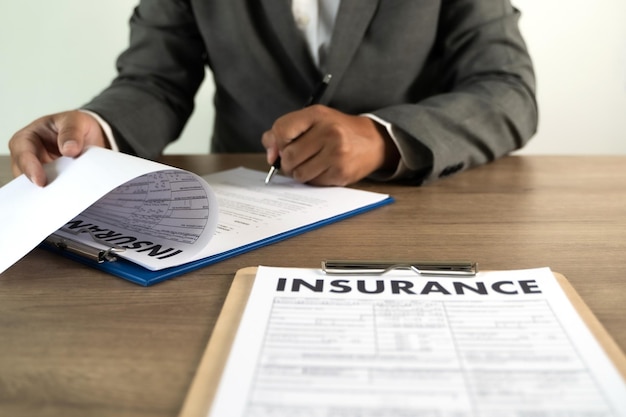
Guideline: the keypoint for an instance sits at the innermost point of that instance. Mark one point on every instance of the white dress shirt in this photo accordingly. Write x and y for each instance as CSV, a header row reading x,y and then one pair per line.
x,y
316,21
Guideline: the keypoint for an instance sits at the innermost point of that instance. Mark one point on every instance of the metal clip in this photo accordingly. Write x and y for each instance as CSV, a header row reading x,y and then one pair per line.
x,y
82,249
454,268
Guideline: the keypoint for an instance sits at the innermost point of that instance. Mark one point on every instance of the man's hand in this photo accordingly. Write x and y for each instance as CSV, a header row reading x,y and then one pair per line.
x,y
322,146
50,137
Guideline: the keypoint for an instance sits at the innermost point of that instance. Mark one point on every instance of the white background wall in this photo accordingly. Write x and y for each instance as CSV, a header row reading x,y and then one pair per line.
x,y
55,55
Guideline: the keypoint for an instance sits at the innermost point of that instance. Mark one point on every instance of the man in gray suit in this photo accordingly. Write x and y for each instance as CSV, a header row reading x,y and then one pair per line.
x,y
419,90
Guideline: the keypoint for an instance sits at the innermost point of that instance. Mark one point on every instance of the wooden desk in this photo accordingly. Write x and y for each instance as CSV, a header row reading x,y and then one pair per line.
x,y
77,342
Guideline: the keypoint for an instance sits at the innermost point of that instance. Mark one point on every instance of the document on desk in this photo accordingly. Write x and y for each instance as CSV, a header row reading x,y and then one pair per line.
x,y
159,217
498,344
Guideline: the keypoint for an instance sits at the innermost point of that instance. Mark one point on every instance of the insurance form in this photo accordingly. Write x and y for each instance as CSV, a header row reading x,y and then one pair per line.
x,y
160,217
497,344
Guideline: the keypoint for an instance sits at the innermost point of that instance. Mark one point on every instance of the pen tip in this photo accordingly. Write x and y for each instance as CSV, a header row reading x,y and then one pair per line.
x,y
270,174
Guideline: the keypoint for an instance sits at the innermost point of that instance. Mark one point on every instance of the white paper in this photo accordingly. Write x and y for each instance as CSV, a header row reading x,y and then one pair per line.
x,y
157,220
28,213
158,216
250,210
423,346
162,228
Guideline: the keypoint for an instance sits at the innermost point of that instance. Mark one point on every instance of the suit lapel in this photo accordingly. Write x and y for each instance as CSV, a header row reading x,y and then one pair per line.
x,y
281,22
353,19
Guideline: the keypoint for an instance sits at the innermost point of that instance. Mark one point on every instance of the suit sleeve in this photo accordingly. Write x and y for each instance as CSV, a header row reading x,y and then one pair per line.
x,y
151,99
485,104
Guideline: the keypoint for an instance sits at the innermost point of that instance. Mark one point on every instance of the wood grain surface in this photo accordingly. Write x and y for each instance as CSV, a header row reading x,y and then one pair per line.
x,y
77,342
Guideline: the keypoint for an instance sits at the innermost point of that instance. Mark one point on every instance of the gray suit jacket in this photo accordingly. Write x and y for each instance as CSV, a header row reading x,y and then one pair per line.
x,y
453,77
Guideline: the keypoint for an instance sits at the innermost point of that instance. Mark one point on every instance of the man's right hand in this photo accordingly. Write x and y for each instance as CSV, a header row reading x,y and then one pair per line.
x,y
50,137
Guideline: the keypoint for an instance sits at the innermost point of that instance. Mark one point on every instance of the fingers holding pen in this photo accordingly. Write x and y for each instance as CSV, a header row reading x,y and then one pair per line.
x,y
322,146
286,129
292,138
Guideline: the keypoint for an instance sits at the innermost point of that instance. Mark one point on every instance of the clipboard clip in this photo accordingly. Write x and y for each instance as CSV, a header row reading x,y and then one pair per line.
x,y
435,268
82,249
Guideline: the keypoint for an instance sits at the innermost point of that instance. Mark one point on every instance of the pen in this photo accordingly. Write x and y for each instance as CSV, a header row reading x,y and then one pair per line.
x,y
314,99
